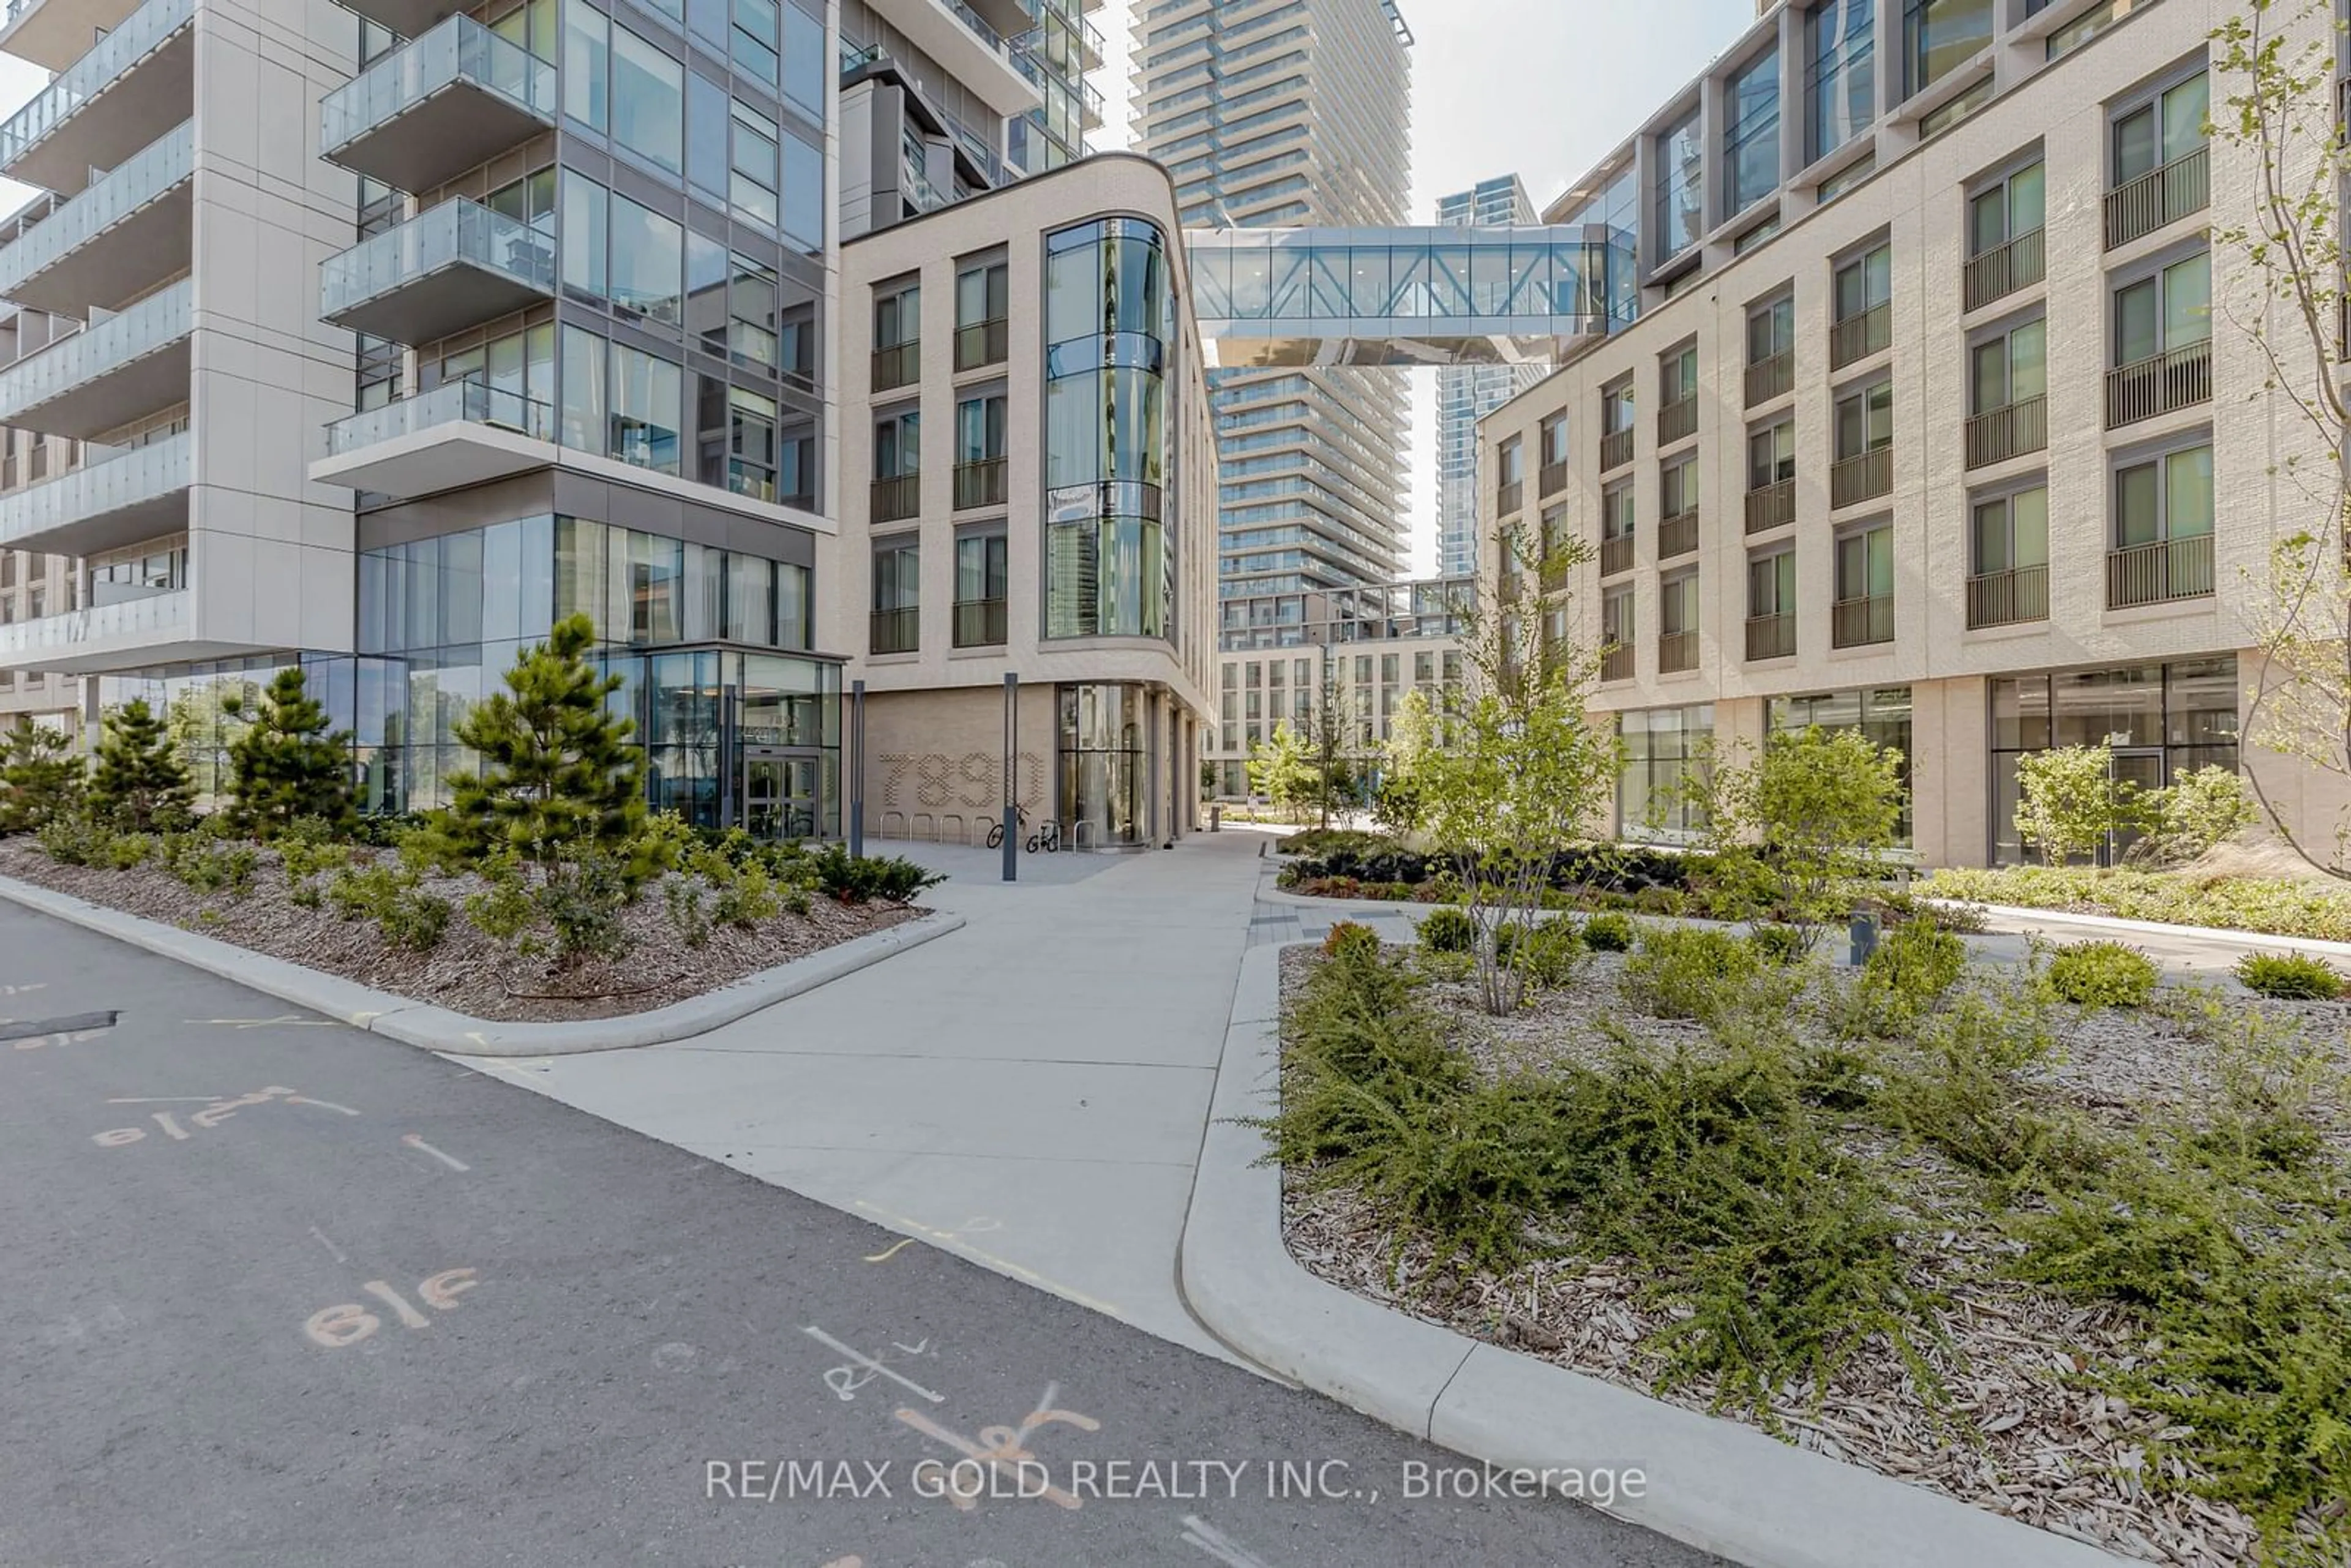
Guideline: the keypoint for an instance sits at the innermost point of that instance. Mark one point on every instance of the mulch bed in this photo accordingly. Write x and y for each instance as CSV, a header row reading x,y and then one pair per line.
x,y
469,972
2016,1436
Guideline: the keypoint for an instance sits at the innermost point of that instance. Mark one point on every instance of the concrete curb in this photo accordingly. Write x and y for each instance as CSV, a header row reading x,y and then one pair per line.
x,y
1711,1483
2257,940
437,1028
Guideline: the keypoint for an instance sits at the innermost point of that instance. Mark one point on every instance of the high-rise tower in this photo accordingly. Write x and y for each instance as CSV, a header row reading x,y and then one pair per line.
x,y
1468,393
1290,115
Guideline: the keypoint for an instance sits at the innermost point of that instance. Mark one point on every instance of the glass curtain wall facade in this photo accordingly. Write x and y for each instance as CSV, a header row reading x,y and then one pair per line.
x,y
1661,747
1467,393
1105,756
1880,715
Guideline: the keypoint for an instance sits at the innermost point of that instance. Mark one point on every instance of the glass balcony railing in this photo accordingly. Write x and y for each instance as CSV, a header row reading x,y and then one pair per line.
x,y
99,486
88,77
453,402
147,618
454,233
97,348
107,202
459,50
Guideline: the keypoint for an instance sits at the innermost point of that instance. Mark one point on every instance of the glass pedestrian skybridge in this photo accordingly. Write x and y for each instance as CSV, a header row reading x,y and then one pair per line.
x,y
1433,296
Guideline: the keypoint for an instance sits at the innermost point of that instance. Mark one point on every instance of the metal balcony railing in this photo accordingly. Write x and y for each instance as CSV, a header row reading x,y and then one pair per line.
x,y
1677,535
1771,506
2004,269
982,343
1774,377
1551,479
2139,208
897,498
979,484
2161,383
1857,623
1616,555
979,624
2159,572
1510,495
2010,431
1677,651
1677,421
1862,477
1771,636
2008,598
1858,337
1616,664
1615,448
897,365
896,630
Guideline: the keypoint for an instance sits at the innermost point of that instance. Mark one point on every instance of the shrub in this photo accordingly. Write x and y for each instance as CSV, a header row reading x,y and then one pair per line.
x,y
1905,976
1690,972
1777,943
2070,802
414,920
205,863
2201,808
362,891
2289,977
128,851
1348,937
41,778
76,840
504,909
1609,933
1544,953
1447,929
2102,975
682,896
1968,1095
2276,905
850,879
584,906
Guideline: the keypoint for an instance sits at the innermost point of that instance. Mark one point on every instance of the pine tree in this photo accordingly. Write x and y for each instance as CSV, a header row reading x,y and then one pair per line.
x,y
40,777
140,785
286,765
559,779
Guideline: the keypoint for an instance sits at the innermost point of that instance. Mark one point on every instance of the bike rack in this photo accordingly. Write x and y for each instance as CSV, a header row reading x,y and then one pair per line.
x,y
962,834
900,817
922,821
1081,834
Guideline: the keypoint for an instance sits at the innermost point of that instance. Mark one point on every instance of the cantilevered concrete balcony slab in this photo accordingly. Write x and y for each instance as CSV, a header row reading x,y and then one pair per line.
x,y
450,267
54,33
1412,296
111,243
437,106
973,52
130,87
109,373
112,499
463,432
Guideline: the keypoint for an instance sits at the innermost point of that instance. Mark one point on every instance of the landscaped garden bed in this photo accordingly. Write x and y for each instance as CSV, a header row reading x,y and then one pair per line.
x,y
2083,1265
2272,904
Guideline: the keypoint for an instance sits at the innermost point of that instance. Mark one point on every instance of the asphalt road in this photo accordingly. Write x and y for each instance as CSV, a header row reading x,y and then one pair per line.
x,y
279,1292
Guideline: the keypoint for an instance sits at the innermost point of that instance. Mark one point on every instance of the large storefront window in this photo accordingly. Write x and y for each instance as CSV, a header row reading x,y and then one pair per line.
x,y
2157,719
1880,714
1105,764
1110,565
1661,748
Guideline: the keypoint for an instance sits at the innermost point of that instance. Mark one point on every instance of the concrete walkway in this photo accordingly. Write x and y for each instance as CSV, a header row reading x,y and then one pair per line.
x,y
1030,1092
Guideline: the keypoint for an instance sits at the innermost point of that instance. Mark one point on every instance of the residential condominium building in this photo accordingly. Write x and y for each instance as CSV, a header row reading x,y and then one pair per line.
x,y
1278,116
1924,427
398,333
1468,393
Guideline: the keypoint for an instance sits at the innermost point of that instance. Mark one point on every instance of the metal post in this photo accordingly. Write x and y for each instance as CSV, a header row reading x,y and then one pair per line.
x,y
857,778
1865,936
1011,776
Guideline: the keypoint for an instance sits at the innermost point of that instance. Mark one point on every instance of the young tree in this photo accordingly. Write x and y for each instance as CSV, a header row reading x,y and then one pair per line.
x,y
2279,117
2071,802
1279,770
2201,808
41,780
558,779
140,785
1814,812
1523,775
1412,735
1330,742
285,765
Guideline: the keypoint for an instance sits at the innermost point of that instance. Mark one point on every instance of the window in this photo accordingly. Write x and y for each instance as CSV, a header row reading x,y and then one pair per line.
x,y
648,102
2000,211
2168,125
2010,533
1941,37
1681,188
1678,376
1841,75
755,39
1509,472
898,445
1616,619
980,584
1864,283
980,429
1865,563
1846,178
982,303
585,213
1553,436
754,333
1751,142
1772,585
1771,455
2009,368
1617,409
2168,310
706,119
587,41
2168,497
1865,421
1677,609
1750,239
752,180
582,368
803,192
529,200
1665,754
648,262
1771,329
1616,512
898,317
897,594
1950,113
1678,488
646,410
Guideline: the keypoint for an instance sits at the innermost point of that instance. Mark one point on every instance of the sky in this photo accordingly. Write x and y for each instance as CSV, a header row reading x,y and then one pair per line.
x,y
1542,88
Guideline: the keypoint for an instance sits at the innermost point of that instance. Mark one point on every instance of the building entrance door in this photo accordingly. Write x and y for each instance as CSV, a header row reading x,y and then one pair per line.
x,y
782,793
2140,769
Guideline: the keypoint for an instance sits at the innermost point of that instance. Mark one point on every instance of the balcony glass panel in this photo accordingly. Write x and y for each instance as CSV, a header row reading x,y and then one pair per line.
x,y
57,635
459,50
92,74
454,233
107,202
95,350
465,402
100,486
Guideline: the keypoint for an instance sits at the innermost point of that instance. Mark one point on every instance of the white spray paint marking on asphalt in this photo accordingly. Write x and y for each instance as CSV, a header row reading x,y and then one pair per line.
x,y
1199,1533
871,1364
413,1142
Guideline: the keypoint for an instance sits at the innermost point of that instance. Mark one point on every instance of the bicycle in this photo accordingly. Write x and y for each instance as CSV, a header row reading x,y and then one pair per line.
x,y
1048,836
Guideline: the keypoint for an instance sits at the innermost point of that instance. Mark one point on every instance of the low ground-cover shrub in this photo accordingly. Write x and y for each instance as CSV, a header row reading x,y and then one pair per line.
x,y
2277,907
2289,977
852,879
1690,972
1544,953
1609,932
1447,929
2102,975
1902,980
1347,937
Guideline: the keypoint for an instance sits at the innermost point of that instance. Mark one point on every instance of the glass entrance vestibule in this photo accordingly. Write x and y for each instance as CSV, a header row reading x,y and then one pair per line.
x,y
735,737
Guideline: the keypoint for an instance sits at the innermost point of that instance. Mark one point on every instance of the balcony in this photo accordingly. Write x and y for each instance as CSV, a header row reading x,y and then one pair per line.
x,y
2161,383
1677,421
2159,572
123,235
442,104
1551,478
897,499
1858,622
1677,535
2004,269
1677,651
896,630
1774,377
982,343
106,374
117,636
979,623
123,93
1616,555
54,33
115,499
897,365
409,19
458,433
1771,636
1772,505
452,267
1857,336
1508,497
2139,208
1616,664
2010,431
2008,598
1615,449
968,48
1863,478
979,484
